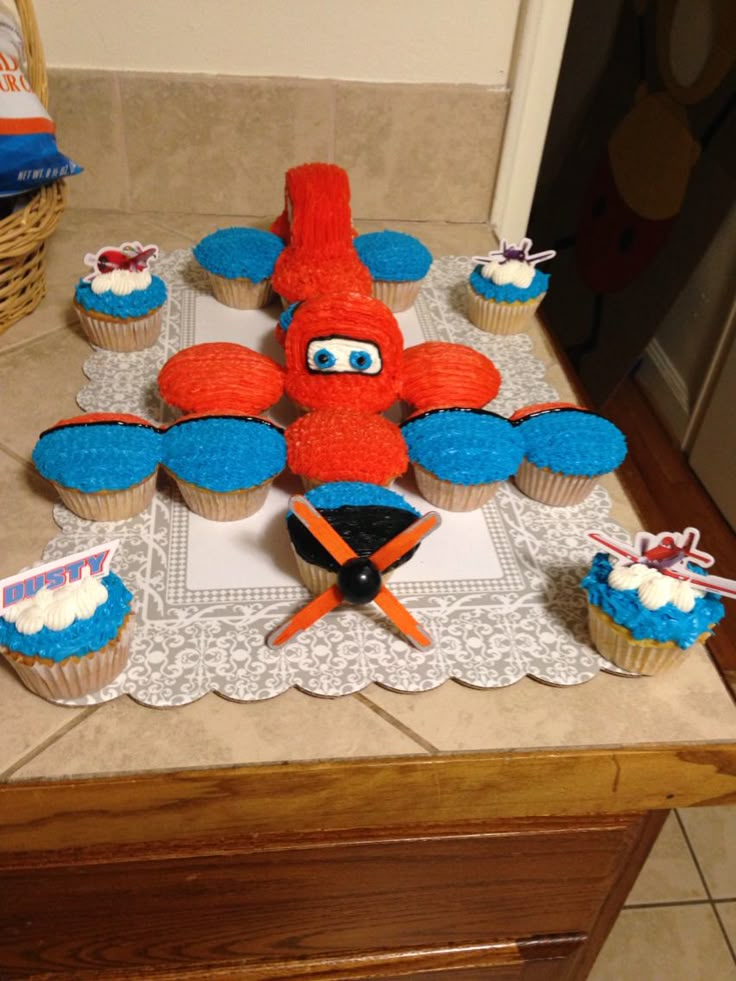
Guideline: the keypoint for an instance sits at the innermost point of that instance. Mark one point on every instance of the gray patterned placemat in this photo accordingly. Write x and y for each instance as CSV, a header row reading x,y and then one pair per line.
x,y
208,594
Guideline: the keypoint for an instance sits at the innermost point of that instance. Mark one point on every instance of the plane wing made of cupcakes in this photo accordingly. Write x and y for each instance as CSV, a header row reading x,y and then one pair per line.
x,y
344,364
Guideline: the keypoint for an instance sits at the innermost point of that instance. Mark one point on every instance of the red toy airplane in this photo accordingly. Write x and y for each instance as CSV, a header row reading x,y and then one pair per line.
x,y
130,256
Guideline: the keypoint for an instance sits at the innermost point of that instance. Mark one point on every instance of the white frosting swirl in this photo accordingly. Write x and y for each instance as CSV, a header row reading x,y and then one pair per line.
x,y
57,609
510,271
121,282
653,588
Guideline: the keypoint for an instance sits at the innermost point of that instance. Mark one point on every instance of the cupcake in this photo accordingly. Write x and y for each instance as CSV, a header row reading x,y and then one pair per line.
x,y
103,465
365,516
120,303
345,445
224,465
566,450
397,263
69,641
239,263
505,288
460,456
646,614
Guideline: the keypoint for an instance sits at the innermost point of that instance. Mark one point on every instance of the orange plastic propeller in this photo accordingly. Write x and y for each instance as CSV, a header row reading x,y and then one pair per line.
x,y
339,549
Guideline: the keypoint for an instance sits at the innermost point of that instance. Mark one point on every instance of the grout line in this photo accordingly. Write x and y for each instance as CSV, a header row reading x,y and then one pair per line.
x,y
387,717
16,456
724,931
49,741
666,904
26,341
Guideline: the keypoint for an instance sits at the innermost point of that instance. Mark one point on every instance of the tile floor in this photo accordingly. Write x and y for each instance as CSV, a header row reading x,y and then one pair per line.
x,y
679,922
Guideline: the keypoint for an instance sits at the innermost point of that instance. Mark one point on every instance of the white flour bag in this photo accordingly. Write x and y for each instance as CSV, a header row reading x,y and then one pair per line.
x,y
29,156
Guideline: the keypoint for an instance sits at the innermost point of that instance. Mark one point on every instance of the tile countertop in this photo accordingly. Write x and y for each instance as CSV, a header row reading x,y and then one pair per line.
x,y
40,373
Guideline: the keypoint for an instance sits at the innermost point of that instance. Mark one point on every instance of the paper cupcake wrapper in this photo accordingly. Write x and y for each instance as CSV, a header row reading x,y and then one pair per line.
x,y
617,645
397,296
317,579
223,505
452,497
242,294
500,318
74,676
108,505
122,336
555,489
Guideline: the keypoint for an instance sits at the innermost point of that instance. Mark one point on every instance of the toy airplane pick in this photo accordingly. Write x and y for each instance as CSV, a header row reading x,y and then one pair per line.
x,y
359,578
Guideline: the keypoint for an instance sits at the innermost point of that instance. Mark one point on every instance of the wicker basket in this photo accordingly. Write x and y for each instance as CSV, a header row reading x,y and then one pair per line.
x,y
23,234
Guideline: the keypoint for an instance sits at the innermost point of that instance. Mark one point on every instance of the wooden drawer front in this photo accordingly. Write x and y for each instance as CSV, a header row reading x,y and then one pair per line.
x,y
317,899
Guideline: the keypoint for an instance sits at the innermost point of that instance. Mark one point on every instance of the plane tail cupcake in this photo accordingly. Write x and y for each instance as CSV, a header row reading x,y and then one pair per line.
x,y
120,303
239,263
651,603
398,264
505,287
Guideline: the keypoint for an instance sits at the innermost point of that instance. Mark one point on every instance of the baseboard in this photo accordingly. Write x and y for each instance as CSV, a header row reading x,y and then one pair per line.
x,y
665,389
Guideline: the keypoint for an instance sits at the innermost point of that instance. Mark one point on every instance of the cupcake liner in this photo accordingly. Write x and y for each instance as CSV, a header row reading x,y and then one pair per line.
x,y
397,296
122,336
453,497
317,579
555,489
108,505
74,676
243,294
223,505
500,318
617,645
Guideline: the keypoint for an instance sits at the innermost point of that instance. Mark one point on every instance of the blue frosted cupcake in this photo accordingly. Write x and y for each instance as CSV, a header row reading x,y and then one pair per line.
x,y
644,621
71,641
505,288
460,456
124,321
364,515
398,264
103,465
566,450
224,465
239,263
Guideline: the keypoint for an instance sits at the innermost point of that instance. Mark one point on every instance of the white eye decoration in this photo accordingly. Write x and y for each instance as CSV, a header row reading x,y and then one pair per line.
x,y
343,355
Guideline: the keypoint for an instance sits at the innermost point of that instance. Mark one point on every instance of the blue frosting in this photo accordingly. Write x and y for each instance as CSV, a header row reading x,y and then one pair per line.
x,y
393,256
509,293
356,493
98,456
464,446
224,453
288,315
239,253
663,625
136,304
572,442
81,637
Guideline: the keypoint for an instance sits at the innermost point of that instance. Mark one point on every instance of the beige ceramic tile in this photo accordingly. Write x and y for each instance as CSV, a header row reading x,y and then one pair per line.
x,y
669,873
39,382
675,943
712,833
220,145
85,106
440,237
26,721
603,712
26,524
419,152
122,736
193,227
727,913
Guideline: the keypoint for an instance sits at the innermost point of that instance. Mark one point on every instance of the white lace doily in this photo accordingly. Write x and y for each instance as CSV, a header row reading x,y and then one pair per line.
x,y
498,589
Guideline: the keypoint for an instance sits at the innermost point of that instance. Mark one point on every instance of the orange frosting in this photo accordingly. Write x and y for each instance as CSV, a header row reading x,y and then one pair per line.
x,y
340,444
316,225
221,377
438,374
530,410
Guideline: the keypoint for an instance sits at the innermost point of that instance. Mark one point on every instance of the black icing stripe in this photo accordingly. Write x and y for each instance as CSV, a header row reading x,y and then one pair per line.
x,y
224,415
365,527
449,408
102,422
557,409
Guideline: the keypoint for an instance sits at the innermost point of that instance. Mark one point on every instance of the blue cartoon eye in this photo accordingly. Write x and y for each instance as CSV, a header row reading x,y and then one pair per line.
x,y
360,360
324,359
